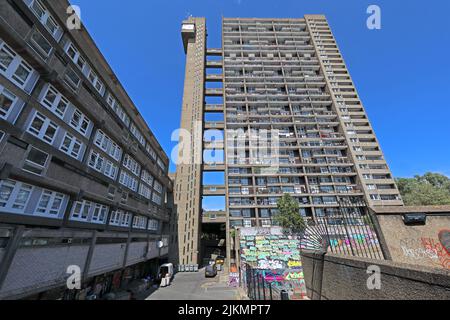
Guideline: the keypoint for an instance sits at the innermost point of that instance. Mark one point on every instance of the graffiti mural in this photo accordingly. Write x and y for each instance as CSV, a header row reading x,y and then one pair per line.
x,y
433,251
276,257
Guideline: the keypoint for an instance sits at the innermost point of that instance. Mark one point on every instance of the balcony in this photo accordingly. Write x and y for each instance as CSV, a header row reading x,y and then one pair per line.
x,y
214,190
213,145
214,52
214,92
214,125
214,108
214,166
214,77
214,64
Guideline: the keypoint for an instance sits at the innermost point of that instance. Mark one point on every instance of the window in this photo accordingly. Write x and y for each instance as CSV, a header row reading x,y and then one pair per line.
x,y
138,135
128,181
102,165
41,44
76,57
145,191
43,128
7,100
80,122
93,78
139,222
81,210
13,67
99,214
156,198
71,146
161,164
111,193
50,203
115,105
151,151
120,218
108,145
153,225
147,178
35,161
115,218
14,195
375,197
44,17
158,187
72,79
55,101
132,165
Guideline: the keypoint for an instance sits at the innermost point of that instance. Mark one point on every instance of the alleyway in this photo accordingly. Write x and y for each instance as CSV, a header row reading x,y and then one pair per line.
x,y
194,286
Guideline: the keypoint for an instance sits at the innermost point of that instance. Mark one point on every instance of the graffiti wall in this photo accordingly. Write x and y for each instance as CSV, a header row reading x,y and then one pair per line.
x,y
427,244
275,256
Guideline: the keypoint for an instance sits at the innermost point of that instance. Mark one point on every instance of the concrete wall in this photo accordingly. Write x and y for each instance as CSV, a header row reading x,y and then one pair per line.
x,y
419,244
333,277
34,268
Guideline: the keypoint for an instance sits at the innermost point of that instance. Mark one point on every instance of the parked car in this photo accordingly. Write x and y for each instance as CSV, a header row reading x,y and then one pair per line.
x,y
211,271
220,260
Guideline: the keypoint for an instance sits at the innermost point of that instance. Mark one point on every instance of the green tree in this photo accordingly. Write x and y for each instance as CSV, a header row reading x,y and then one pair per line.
x,y
429,189
288,216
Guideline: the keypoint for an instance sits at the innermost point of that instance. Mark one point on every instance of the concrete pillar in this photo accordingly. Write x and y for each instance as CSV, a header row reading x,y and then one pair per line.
x,y
10,252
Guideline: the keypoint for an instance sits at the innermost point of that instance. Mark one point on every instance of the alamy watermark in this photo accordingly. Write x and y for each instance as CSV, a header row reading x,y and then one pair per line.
x,y
74,17
374,280
246,147
74,280
374,20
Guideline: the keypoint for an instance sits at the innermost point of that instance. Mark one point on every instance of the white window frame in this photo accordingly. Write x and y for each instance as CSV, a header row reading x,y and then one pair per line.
x,y
145,191
77,56
156,198
8,94
70,150
54,106
139,222
131,164
128,180
42,133
34,164
120,112
79,215
157,186
95,81
147,177
153,224
137,134
10,204
16,62
48,210
39,47
102,165
105,143
83,119
116,217
45,18
98,212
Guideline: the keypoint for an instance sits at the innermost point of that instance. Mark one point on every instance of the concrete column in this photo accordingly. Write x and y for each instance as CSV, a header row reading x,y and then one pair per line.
x,y
10,252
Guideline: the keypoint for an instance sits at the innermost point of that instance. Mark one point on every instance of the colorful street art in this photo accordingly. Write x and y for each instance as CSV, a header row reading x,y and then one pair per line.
x,y
431,251
276,258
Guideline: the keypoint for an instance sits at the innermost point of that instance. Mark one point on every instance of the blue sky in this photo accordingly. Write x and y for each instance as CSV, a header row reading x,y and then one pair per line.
x,y
402,72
